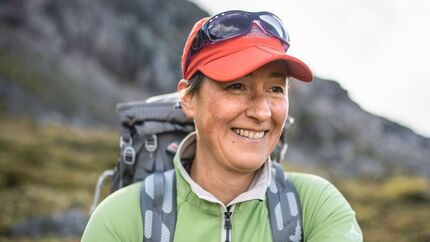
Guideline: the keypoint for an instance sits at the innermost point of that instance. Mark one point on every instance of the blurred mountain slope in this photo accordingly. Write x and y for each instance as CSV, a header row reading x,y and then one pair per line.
x,y
335,133
74,60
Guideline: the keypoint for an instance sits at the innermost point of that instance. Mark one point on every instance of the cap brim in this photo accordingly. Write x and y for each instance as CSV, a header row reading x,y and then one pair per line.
x,y
243,62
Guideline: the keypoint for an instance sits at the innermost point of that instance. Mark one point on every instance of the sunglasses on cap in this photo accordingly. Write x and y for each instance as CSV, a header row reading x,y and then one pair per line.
x,y
231,24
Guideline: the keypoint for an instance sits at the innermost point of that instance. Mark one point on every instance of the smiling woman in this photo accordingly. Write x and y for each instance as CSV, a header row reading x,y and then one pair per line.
x,y
234,86
245,115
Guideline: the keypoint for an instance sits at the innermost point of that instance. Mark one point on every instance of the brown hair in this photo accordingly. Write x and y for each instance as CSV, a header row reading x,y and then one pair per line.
x,y
194,83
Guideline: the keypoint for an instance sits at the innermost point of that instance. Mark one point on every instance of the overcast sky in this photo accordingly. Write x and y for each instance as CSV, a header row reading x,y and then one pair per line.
x,y
376,49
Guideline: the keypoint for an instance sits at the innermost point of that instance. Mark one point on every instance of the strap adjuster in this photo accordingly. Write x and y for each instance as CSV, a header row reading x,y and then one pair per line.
x,y
151,143
129,155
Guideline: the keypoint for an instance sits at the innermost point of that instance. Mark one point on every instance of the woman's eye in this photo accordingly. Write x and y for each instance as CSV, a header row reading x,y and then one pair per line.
x,y
236,86
278,89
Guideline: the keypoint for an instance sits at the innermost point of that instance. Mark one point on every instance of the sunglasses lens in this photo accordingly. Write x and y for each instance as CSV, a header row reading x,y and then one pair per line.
x,y
197,42
274,26
228,26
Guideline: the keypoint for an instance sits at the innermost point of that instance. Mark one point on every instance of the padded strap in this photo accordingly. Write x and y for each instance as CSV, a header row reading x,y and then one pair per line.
x,y
284,208
158,206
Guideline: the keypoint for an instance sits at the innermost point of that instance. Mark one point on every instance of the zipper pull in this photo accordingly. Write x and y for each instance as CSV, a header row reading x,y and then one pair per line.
x,y
227,224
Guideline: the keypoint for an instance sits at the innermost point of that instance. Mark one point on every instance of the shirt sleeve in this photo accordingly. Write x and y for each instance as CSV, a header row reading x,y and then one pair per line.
x,y
116,219
327,216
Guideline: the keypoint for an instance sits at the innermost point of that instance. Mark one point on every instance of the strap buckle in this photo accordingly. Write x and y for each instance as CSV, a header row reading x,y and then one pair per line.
x,y
151,143
128,154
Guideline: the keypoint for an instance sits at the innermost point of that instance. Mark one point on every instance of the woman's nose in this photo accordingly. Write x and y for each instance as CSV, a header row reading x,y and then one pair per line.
x,y
259,108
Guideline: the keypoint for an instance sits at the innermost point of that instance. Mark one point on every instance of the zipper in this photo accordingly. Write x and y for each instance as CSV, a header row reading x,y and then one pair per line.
x,y
227,224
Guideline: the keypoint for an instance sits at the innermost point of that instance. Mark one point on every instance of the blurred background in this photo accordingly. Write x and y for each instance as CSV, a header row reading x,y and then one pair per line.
x,y
64,65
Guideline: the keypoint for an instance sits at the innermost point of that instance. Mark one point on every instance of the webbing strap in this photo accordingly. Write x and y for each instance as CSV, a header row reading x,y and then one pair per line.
x,y
284,208
125,170
158,206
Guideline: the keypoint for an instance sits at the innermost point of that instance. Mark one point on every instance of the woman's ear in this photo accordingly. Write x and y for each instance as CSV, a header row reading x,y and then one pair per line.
x,y
187,100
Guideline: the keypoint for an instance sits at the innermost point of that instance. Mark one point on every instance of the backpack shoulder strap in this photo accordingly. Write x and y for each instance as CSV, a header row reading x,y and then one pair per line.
x,y
284,208
158,206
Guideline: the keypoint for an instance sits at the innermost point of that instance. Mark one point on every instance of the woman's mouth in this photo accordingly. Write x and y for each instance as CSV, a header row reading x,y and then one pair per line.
x,y
250,134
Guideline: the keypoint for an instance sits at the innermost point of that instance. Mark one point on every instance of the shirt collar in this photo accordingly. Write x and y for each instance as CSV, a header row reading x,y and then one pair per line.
x,y
257,189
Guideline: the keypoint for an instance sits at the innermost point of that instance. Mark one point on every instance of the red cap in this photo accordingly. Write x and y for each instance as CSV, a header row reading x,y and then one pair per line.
x,y
232,59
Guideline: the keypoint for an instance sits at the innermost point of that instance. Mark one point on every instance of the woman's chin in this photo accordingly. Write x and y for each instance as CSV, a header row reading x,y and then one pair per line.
x,y
248,165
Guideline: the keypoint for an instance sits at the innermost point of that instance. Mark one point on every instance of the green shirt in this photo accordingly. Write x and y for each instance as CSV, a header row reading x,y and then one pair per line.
x,y
326,215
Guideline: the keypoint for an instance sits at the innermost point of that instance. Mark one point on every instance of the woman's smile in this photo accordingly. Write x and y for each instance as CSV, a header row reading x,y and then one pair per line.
x,y
250,134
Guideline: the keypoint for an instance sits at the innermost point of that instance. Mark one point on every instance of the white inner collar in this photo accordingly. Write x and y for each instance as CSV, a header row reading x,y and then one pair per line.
x,y
257,189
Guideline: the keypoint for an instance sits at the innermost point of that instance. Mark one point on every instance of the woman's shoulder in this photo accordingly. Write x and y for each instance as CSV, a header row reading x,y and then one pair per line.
x,y
125,198
315,189
118,215
326,214
307,181
319,197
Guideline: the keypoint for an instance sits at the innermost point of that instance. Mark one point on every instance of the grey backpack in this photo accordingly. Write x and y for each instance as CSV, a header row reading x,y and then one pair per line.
x,y
150,133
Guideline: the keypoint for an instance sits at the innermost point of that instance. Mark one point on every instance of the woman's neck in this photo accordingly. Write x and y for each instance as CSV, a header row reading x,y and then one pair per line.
x,y
225,185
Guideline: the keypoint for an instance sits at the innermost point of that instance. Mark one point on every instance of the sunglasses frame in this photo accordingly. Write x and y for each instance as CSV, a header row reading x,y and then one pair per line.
x,y
252,16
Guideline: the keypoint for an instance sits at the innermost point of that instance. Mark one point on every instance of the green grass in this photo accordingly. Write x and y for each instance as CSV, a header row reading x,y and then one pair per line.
x,y
45,169
395,209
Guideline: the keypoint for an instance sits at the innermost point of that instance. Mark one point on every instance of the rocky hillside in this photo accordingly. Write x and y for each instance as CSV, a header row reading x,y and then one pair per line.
x,y
331,131
72,61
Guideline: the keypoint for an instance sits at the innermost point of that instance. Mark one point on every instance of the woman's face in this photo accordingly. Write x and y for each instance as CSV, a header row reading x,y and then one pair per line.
x,y
239,122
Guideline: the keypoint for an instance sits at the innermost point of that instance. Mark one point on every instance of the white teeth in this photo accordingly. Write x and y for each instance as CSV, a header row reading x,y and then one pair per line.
x,y
249,133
